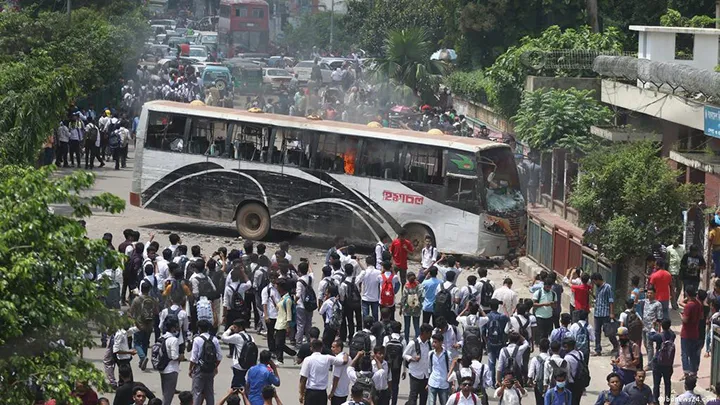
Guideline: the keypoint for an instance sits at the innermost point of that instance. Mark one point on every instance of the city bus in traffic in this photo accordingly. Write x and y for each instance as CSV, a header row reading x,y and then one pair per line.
x,y
267,171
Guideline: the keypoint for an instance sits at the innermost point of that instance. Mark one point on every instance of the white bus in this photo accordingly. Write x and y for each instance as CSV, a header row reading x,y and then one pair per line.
x,y
267,171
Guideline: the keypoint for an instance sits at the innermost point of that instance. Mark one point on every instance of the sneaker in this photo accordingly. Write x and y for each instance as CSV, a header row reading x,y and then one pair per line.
x,y
143,364
279,363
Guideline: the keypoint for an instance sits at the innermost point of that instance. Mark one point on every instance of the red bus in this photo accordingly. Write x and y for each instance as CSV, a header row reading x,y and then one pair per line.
x,y
243,26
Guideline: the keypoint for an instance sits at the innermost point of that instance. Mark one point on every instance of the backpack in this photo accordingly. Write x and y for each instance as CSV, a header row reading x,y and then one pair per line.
x,y
206,289
472,346
365,382
582,374
147,311
91,134
394,353
387,291
177,292
443,302
552,398
635,326
264,279
183,264
310,299
523,328
555,368
540,377
666,355
352,294
248,355
153,287
485,294
237,302
447,363
495,333
513,365
473,396
582,339
204,309
112,299
159,355
337,315
360,342
208,355
114,140
172,315
470,296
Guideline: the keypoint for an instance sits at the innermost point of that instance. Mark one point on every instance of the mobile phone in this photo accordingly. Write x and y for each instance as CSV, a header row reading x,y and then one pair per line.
x,y
303,259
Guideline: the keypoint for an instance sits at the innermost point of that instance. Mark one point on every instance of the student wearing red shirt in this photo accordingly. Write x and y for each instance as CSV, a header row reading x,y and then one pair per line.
x,y
661,279
690,340
582,294
400,248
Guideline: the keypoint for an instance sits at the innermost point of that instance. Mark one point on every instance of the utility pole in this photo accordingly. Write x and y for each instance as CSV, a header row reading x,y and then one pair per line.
x,y
69,11
332,21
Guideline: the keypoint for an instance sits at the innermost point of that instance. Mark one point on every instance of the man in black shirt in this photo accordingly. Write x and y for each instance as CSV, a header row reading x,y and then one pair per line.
x,y
126,391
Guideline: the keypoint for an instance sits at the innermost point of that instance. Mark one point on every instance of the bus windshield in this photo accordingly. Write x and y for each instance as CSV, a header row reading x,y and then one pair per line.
x,y
502,191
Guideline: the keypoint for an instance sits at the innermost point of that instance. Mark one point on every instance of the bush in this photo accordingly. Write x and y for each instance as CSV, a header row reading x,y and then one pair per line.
x,y
470,85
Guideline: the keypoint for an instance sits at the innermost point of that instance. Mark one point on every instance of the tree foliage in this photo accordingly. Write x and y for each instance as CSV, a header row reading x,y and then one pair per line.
x,y
632,197
48,63
560,118
406,65
470,85
507,75
314,30
673,18
46,303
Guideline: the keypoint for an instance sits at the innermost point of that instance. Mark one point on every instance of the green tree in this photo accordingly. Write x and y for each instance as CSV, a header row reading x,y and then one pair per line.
x,y
560,118
47,305
471,85
314,30
673,18
406,65
632,197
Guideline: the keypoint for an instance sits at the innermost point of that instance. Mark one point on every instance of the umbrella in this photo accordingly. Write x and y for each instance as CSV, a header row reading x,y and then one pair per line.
x,y
444,54
435,131
196,102
374,124
401,109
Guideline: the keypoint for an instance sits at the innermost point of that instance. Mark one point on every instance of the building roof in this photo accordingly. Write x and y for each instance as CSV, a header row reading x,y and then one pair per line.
x,y
343,128
675,30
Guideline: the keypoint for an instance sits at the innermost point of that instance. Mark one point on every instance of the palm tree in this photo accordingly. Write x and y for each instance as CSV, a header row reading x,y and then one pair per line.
x,y
406,67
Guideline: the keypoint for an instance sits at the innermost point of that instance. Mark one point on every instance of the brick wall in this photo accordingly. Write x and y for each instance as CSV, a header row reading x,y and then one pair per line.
x,y
712,189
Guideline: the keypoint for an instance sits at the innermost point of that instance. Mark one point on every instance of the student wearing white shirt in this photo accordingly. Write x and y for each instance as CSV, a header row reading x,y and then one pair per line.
x,y
183,327
464,294
388,300
303,317
583,334
465,396
394,355
327,311
380,374
121,348
341,380
203,375
270,299
234,298
417,356
554,358
573,358
380,248
314,375
507,297
515,341
174,242
510,391
169,375
449,284
352,309
347,256
451,341
520,322
370,294
237,336
482,288
429,255
162,264
536,369
439,368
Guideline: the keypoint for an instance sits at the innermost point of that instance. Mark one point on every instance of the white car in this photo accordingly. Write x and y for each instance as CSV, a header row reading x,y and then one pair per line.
x,y
275,77
304,70
198,52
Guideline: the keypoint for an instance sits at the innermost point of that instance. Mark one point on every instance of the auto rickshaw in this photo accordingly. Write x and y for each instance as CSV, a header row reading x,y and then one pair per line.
x,y
247,76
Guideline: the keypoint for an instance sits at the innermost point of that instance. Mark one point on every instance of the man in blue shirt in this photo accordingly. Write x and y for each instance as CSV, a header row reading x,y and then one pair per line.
x,y
604,311
429,286
615,395
640,393
258,376
559,394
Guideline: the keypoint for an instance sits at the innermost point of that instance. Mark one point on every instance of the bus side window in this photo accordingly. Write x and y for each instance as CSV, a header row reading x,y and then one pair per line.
x,y
295,147
328,157
165,132
251,142
200,135
422,165
379,159
461,193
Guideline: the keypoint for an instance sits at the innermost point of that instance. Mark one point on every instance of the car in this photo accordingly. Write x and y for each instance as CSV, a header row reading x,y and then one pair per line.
x,y
274,78
158,29
304,69
198,52
218,76
334,63
171,24
275,62
206,38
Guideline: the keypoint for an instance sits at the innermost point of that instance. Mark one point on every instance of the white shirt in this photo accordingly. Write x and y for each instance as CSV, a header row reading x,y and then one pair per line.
x,y
163,270
429,256
575,330
511,396
459,398
548,368
300,289
121,343
463,293
342,290
516,322
466,321
344,259
197,348
327,309
418,369
379,249
182,318
380,377
479,286
238,339
484,371
270,297
315,368
396,336
343,385
370,279
509,299
448,286
172,345
509,349
273,258
535,364
230,290
195,282
572,364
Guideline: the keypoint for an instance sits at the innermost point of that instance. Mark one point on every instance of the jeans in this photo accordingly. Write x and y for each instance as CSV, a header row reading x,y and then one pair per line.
x,y
545,326
437,393
716,262
417,388
270,324
367,308
61,153
416,325
141,341
203,388
304,323
238,379
666,309
649,347
75,152
664,372
677,287
168,383
690,354
351,318
599,322
428,316
252,308
395,384
493,354
280,346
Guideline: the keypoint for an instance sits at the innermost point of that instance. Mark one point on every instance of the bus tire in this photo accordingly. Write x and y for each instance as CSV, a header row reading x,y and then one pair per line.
x,y
416,234
252,221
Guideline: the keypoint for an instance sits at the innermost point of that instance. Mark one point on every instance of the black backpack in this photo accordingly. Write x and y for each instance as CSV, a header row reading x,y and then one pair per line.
x,y
513,365
365,382
443,302
172,316
159,355
523,328
206,289
582,374
394,353
555,369
360,342
472,346
237,302
495,333
486,293
310,299
208,355
248,355
352,294
264,280
177,292
635,326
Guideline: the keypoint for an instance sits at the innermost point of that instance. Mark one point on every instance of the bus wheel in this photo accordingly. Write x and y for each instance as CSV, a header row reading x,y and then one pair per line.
x,y
416,234
252,221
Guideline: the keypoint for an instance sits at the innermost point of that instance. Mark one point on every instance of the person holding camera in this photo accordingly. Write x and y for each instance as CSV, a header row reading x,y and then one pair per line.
x,y
510,391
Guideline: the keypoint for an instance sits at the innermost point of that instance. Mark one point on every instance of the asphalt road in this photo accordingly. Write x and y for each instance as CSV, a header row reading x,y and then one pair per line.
x,y
210,236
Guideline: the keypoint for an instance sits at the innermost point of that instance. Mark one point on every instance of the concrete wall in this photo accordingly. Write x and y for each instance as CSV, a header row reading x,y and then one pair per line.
x,y
483,113
533,83
712,189
658,44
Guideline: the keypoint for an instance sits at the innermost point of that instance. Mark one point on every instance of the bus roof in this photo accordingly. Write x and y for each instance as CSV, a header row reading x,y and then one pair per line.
x,y
343,128
233,2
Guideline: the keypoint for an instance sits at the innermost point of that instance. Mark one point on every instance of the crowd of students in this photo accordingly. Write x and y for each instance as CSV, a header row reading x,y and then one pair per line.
x,y
193,302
